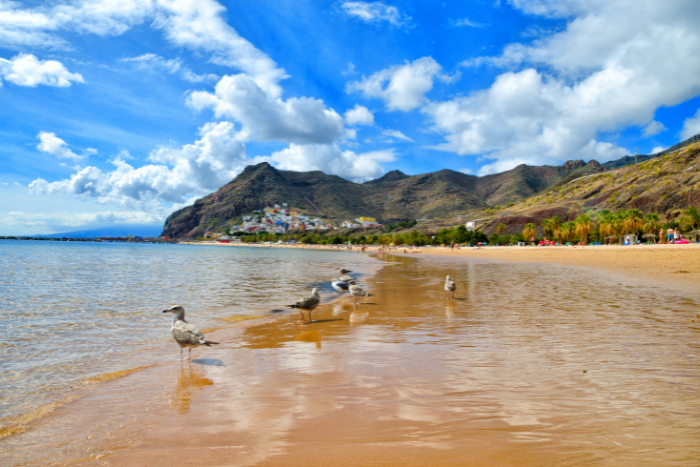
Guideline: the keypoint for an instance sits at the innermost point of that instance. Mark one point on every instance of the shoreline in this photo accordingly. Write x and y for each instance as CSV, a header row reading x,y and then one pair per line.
x,y
670,263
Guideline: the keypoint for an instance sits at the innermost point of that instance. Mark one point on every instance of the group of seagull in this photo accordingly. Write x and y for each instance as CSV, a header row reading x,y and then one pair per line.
x,y
345,283
188,335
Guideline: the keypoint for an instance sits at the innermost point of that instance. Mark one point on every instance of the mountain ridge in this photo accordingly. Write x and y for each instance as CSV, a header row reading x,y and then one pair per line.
x,y
443,194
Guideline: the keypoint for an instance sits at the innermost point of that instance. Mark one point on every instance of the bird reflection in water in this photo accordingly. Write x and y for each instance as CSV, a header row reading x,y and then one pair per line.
x,y
309,336
450,310
358,316
191,379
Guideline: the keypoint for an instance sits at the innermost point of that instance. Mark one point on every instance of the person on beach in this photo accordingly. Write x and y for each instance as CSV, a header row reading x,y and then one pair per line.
x,y
669,236
452,246
676,235
661,237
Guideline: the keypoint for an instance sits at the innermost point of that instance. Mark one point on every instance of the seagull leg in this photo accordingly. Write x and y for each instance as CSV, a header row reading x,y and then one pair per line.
x,y
310,315
180,353
189,355
302,315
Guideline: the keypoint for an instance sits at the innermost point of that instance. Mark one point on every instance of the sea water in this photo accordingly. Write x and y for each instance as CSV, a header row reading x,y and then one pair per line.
x,y
73,312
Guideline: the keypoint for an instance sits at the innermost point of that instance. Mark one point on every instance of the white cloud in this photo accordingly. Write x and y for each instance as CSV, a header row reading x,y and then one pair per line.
x,y
195,24
359,115
612,66
375,12
350,70
297,120
27,70
466,171
654,128
691,126
657,150
190,170
153,63
329,158
349,134
52,144
192,77
466,22
58,220
396,134
403,87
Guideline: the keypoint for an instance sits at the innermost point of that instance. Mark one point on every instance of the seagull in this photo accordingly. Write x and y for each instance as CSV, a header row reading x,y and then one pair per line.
x,y
184,333
450,287
346,278
358,291
308,303
343,271
341,286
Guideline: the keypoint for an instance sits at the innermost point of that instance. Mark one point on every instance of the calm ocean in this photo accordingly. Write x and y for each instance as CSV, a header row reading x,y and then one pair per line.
x,y
70,311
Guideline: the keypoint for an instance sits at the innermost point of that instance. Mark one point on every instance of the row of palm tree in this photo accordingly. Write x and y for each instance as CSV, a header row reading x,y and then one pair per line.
x,y
610,224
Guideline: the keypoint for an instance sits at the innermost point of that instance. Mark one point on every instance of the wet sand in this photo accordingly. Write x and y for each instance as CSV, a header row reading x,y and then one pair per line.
x,y
532,365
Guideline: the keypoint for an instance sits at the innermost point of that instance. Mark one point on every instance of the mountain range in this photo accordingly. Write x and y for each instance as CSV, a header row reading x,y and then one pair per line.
x,y
445,194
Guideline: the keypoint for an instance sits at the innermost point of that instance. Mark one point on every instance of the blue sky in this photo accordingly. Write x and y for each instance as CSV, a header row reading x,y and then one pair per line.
x,y
120,112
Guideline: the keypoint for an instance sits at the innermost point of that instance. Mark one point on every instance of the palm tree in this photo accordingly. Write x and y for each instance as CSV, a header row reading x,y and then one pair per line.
x,y
529,231
500,228
584,226
547,228
555,224
652,224
690,218
567,230
632,221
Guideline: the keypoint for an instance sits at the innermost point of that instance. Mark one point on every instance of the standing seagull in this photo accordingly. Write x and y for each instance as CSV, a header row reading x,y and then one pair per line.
x,y
450,288
347,278
341,286
184,333
308,303
358,291
343,271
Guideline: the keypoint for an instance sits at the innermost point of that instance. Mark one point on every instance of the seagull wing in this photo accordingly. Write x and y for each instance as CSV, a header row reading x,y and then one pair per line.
x,y
307,303
186,333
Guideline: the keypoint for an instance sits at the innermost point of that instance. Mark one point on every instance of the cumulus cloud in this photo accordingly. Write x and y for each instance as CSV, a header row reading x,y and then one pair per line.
x,y
183,172
52,144
654,128
331,159
359,115
195,24
613,65
375,12
297,120
27,70
657,150
691,126
402,87
396,134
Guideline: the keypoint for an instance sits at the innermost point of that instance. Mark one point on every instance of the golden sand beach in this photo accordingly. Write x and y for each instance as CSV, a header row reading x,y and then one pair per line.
x,y
555,357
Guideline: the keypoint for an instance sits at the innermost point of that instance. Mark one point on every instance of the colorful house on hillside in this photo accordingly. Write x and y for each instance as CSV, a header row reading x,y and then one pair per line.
x,y
367,221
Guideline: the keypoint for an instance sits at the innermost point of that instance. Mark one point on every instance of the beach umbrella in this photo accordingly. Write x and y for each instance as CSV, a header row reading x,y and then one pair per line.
x,y
611,236
649,236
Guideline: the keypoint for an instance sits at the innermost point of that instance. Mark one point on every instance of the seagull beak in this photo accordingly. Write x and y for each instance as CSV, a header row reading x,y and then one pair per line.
x,y
165,311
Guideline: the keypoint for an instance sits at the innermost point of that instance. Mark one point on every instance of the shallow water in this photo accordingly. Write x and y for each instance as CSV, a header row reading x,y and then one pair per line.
x,y
531,365
74,314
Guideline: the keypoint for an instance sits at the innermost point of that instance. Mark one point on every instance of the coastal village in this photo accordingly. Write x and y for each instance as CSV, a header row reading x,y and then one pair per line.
x,y
281,219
